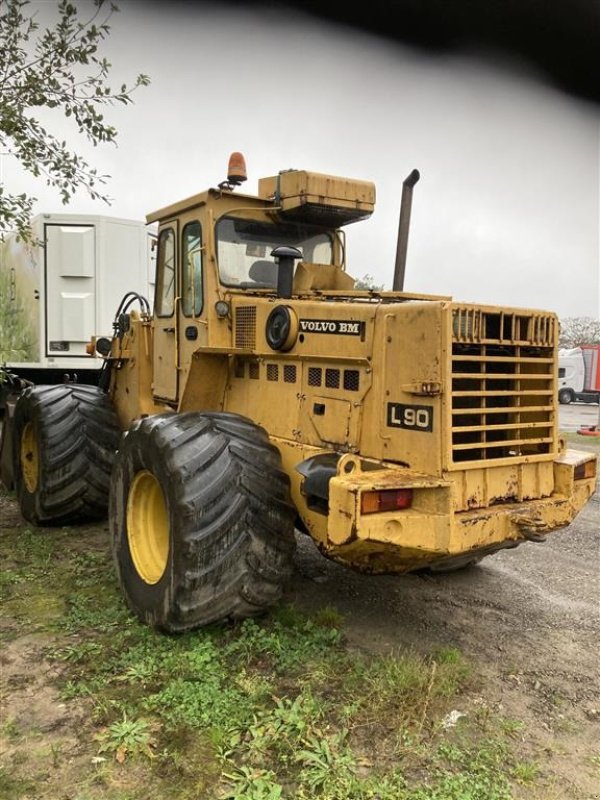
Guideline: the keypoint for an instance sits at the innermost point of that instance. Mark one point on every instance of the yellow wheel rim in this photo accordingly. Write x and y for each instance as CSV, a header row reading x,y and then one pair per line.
x,y
30,458
147,527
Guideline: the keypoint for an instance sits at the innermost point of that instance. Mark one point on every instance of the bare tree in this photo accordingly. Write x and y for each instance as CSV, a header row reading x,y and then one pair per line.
x,y
59,67
575,331
367,282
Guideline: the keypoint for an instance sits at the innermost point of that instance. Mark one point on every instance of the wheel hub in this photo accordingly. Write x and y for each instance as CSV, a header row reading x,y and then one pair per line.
x,y
30,461
147,527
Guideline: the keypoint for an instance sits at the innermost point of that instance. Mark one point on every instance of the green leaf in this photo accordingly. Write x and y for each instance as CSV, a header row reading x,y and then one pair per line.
x,y
38,66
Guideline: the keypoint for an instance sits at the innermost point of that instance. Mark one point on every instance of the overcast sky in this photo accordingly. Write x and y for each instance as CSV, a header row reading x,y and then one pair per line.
x,y
507,208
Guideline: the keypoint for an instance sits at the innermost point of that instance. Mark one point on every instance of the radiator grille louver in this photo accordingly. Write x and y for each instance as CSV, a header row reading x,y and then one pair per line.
x,y
502,385
478,325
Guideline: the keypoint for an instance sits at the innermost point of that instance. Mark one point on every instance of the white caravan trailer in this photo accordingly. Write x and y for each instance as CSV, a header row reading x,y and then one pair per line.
x,y
56,294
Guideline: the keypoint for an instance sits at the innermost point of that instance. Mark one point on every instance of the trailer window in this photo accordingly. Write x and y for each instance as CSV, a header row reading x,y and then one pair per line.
x,y
244,249
191,261
561,372
165,274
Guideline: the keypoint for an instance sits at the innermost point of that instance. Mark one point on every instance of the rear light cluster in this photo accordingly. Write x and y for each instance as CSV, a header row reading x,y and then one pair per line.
x,y
385,500
585,470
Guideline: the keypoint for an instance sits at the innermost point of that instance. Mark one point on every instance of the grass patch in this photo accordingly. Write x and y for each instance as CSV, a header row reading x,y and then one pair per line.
x,y
11,786
266,709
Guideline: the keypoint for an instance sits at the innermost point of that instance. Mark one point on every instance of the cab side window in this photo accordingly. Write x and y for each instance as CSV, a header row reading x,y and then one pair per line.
x,y
191,264
164,302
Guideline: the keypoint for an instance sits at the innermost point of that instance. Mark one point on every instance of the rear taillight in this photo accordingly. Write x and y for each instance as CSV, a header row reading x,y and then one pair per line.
x,y
385,500
585,470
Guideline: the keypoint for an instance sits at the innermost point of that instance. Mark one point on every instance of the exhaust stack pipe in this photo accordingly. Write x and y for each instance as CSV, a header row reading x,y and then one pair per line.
x,y
403,227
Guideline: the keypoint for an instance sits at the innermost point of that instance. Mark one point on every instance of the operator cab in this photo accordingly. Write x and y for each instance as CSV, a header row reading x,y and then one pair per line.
x,y
306,213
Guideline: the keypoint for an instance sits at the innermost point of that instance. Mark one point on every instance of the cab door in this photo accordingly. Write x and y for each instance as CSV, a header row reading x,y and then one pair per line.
x,y
165,322
191,322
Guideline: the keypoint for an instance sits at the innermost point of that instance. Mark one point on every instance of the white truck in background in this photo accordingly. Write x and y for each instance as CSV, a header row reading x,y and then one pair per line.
x,y
57,293
579,374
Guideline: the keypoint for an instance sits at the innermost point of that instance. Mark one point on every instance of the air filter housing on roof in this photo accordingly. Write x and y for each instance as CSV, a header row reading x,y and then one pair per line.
x,y
310,197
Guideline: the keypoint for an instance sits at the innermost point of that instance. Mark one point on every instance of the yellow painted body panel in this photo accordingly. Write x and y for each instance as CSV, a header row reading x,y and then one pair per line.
x,y
431,532
131,376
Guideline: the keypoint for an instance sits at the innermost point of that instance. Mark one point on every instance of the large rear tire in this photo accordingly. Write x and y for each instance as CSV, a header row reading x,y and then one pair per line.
x,y
65,440
201,520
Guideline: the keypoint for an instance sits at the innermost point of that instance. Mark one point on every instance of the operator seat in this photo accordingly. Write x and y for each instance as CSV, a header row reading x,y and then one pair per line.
x,y
263,272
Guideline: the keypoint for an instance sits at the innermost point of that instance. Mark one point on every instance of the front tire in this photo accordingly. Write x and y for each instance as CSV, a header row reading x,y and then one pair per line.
x,y
65,440
201,520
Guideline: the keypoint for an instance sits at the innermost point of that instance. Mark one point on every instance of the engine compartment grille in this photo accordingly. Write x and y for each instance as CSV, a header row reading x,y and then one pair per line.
x,y
245,327
503,385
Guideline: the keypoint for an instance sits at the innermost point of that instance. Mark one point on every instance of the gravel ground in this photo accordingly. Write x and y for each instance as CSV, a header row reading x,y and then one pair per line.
x,y
576,415
529,618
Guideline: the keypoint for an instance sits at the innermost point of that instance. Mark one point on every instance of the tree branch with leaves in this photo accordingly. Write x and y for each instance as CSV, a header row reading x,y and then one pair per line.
x,y
59,67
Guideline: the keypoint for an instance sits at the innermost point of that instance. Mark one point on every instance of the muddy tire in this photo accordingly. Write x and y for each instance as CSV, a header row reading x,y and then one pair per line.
x,y
201,520
65,440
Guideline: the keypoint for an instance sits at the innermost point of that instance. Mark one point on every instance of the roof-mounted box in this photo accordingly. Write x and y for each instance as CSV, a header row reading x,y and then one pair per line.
x,y
319,199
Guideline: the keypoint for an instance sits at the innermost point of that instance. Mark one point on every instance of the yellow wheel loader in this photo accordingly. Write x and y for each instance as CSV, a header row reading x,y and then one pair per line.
x,y
264,394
